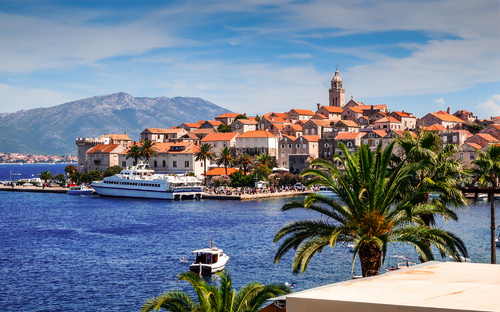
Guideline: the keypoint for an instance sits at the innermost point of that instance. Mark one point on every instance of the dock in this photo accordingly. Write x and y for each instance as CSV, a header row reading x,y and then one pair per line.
x,y
34,189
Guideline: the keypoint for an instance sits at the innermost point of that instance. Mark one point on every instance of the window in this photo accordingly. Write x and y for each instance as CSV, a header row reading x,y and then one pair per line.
x,y
471,156
282,155
289,145
283,163
365,142
186,164
461,155
304,145
313,131
174,164
282,145
349,144
326,144
445,139
124,164
298,145
454,138
224,144
164,164
306,131
376,142
155,164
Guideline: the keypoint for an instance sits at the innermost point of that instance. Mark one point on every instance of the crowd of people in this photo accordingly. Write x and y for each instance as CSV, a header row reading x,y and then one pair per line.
x,y
237,191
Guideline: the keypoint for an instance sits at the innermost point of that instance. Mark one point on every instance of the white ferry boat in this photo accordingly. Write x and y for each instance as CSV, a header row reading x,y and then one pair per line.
x,y
209,260
142,182
79,190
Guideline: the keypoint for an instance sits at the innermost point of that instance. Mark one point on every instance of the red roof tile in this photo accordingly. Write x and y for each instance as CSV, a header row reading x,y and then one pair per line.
x,y
348,135
311,138
211,137
256,134
228,115
333,109
220,171
103,148
303,111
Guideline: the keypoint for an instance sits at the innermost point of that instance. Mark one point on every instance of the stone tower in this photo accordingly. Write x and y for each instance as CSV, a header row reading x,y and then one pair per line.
x,y
337,94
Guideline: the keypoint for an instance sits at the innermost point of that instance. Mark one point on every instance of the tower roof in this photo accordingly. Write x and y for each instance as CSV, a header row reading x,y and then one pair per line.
x,y
336,77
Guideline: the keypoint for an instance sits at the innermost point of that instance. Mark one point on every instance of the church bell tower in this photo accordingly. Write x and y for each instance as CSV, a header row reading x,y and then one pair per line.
x,y
337,94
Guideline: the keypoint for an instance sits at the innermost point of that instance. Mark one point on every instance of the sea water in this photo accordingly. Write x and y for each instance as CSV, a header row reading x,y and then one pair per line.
x,y
60,252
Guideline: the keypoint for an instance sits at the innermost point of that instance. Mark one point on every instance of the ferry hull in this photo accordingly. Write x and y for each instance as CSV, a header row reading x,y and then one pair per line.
x,y
138,193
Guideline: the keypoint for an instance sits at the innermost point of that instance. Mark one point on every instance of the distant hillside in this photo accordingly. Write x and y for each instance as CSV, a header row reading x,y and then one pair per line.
x,y
53,130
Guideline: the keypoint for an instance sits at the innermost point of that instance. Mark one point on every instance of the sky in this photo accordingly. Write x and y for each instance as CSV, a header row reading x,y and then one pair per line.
x,y
254,56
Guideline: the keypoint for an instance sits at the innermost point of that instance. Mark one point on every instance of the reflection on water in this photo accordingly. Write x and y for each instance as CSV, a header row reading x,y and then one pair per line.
x,y
61,252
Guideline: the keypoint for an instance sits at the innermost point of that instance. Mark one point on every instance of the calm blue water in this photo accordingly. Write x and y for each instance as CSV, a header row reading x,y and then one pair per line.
x,y
60,252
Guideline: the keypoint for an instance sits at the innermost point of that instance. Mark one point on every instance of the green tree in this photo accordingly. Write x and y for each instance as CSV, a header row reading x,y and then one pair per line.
x,y
205,154
250,298
135,152
76,177
373,215
488,172
265,159
241,116
257,118
60,177
262,172
240,180
70,169
46,175
223,128
91,176
245,161
225,157
148,149
111,171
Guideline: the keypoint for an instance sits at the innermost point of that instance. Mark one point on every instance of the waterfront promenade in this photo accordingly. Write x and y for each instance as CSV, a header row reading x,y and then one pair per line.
x,y
233,196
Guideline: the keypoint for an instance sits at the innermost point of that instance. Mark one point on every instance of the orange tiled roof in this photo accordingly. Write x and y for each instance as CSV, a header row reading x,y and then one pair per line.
x,y
256,134
295,127
320,116
349,123
278,126
205,130
303,111
220,171
381,133
442,112
356,109
119,137
467,133
192,125
487,137
103,148
277,119
474,145
333,109
311,138
228,136
158,130
434,128
348,135
387,119
300,122
447,117
320,122
247,121
228,115
404,114
289,137
200,122
214,122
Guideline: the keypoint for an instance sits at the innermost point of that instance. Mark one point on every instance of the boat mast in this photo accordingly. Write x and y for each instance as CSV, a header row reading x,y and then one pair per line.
x,y
210,242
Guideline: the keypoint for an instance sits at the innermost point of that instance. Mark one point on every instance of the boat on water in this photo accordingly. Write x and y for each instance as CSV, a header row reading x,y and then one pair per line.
x,y
326,191
209,260
79,190
142,182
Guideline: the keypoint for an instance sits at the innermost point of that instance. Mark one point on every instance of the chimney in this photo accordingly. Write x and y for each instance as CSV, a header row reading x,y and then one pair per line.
x,y
448,110
319,105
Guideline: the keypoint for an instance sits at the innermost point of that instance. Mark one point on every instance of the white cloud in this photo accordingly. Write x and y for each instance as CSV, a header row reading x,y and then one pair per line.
x,y
489,108
439,102
17,98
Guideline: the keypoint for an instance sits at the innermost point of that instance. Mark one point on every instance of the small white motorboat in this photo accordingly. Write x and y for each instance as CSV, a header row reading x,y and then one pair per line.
x,y
209,260
326,191
462,258
80,190
482,197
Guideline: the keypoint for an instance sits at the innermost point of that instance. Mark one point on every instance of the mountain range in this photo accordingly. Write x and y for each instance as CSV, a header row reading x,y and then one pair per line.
x,y
52,130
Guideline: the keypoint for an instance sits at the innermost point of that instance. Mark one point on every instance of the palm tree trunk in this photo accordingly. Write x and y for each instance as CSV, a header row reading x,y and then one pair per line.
x,y
493,245
370,257
205,169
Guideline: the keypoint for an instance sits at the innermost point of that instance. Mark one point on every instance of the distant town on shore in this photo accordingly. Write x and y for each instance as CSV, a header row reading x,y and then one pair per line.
x,y
12,158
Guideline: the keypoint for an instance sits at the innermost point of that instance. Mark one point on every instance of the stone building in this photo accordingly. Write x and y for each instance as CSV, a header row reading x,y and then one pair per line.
x,y
257,142
103,156
227,118
162,135
336,93
243,125
446,120
408,121
299,114
333,113
85,144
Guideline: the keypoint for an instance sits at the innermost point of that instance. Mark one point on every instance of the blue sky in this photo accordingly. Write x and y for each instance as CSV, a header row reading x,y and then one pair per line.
x,y
254,56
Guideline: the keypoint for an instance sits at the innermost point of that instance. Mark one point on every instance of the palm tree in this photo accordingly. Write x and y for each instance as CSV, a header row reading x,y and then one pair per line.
x,y
245,161
225,157
134,152
440,172
148,149
250,298
488,172
264,159
374,214
205,154
46,175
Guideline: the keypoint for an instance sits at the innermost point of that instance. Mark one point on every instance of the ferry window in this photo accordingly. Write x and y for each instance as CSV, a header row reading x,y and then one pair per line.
x,y
186,163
